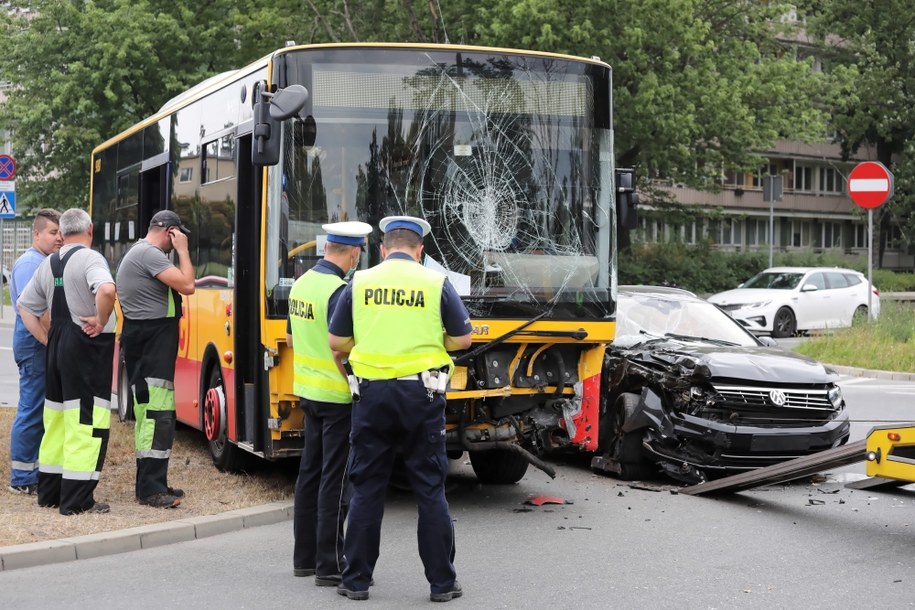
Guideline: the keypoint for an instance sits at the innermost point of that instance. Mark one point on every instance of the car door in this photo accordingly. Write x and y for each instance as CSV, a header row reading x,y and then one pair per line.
x,y
844,298
813,306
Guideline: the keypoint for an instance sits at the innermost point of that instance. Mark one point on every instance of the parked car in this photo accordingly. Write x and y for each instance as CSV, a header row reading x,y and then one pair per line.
x,y
692,394
782,301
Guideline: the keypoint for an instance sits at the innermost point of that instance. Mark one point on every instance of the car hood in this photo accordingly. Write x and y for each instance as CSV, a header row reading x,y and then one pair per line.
x,y
752,364
748,295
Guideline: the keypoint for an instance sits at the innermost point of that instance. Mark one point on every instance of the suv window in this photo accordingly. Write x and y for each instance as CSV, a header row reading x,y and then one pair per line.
x,y
853,280
836,280
817,280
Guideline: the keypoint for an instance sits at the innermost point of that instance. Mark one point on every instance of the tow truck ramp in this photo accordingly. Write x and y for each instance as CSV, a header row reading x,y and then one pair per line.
x,y
888,450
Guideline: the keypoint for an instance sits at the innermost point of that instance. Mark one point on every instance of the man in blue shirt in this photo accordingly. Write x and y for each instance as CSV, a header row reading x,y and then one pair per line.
x,y
27,430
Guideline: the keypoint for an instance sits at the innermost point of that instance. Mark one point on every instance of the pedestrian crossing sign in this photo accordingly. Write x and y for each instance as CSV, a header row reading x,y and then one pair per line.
x,y
7,204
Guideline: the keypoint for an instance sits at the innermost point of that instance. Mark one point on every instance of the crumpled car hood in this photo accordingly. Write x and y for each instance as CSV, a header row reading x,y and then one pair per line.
x,y
761,364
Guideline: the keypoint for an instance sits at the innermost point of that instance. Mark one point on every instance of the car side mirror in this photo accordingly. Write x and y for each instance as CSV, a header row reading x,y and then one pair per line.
x,y
809,288
768,341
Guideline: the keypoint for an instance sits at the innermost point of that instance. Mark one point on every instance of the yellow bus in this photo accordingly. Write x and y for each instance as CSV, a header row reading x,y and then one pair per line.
x,y
508,154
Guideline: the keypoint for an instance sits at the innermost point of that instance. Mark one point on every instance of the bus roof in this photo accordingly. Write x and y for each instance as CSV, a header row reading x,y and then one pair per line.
x,y
216,82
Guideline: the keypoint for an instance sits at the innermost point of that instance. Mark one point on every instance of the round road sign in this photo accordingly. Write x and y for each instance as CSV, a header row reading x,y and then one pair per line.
x,y
7,168
870,184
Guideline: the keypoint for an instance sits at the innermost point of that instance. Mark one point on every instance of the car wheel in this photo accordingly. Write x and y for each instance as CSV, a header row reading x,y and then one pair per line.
x,y
784,324
860,316
623,448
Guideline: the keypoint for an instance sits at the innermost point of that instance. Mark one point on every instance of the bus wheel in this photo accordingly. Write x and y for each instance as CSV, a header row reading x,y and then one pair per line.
x,y
125,396
499,466
226,456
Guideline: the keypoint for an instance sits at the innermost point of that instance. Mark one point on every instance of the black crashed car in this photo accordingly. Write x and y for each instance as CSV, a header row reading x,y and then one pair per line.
x,y
691,394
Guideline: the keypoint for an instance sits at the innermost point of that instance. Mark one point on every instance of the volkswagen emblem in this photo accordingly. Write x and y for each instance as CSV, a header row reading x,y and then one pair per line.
x,y
778,398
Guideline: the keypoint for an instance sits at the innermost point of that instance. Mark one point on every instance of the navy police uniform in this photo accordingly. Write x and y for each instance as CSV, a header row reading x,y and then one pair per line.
x,y
396,412
325,397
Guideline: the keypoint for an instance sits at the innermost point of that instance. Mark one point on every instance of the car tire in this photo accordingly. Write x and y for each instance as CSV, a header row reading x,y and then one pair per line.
x,y
623,448
784,324
125,393
860,316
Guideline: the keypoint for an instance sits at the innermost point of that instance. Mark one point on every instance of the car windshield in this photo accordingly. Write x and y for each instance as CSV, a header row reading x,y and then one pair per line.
x,y
641,317
778,280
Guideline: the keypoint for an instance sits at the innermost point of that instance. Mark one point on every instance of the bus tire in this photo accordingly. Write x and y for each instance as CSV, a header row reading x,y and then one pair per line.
x,y
226,456
498,466
125,395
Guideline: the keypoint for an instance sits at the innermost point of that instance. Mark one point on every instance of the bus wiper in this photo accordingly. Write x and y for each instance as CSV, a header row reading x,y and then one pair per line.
x,y
703,339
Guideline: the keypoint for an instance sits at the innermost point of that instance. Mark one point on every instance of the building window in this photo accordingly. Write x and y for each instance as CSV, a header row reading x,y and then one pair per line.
x,y
803,178
831,234
801,231
757,232
830,180
186,174
860,236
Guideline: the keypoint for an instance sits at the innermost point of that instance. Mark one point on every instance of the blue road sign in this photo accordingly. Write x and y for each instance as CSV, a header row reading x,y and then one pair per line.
x,y
7,167
7,204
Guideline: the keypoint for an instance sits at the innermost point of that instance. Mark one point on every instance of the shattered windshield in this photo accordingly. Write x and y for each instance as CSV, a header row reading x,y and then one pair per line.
x,y
508,157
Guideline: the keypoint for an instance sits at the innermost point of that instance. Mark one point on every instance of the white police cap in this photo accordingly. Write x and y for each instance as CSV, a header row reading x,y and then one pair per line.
x,y
417,225
350,233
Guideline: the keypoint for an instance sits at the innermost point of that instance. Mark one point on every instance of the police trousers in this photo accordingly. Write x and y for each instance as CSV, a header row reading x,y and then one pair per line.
x,y
391,416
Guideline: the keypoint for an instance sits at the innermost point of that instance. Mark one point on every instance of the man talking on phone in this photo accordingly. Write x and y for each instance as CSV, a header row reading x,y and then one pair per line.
x,y
149,289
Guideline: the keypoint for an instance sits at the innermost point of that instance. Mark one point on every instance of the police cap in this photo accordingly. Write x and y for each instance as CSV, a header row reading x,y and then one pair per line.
x,y
349,233
417,225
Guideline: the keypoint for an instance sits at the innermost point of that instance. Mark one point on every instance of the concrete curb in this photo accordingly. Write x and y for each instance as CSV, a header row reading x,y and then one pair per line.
x,y
143,537
873,373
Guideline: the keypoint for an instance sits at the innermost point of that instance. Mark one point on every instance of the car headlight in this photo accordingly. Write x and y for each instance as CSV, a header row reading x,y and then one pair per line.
x,y
755,305
835,396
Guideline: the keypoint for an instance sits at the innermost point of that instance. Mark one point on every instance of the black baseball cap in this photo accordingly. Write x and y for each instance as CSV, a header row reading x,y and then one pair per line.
x,y
166,219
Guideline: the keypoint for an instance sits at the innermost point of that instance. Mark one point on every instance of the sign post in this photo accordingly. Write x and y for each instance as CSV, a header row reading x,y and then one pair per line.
x,y
773,187
870,185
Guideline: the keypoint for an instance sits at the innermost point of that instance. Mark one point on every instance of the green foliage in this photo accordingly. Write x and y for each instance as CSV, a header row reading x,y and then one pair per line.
x,y
83,71
883,344
698,84
889,281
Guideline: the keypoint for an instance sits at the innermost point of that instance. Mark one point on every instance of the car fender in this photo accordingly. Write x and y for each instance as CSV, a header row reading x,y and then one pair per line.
x,y
648,413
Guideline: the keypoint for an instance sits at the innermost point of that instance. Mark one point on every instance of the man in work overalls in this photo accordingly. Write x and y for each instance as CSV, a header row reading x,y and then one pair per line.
x,y
76,285
149,291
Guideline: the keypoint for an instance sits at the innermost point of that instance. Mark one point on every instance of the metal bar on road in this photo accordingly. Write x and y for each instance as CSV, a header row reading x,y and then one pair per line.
x,y
784,471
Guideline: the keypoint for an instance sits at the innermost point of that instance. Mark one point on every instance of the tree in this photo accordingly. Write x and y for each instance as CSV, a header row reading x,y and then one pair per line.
x,y
699,85
869,46
82,71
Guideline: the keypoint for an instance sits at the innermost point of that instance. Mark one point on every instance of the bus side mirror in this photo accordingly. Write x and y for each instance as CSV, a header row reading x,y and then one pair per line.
x,y
270,110
627,199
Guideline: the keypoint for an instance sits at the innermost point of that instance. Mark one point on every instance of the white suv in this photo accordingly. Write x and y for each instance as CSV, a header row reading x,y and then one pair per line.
x,y
784,300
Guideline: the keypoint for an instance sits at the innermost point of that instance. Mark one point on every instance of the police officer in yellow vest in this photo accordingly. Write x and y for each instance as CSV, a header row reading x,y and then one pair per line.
x,y
321,382
398,321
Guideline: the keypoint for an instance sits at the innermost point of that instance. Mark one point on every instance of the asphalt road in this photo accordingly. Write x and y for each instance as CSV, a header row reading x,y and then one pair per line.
x,y
611,545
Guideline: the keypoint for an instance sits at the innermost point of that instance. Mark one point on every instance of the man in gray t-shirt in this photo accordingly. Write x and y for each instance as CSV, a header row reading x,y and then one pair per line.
x,y
149,291
75,284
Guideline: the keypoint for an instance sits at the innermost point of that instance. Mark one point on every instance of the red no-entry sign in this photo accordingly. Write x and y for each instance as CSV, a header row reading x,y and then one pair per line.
x,y
870,184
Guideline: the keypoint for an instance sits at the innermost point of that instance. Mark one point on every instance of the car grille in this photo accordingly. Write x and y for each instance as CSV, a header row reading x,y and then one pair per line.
x,y
760,405
732,307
